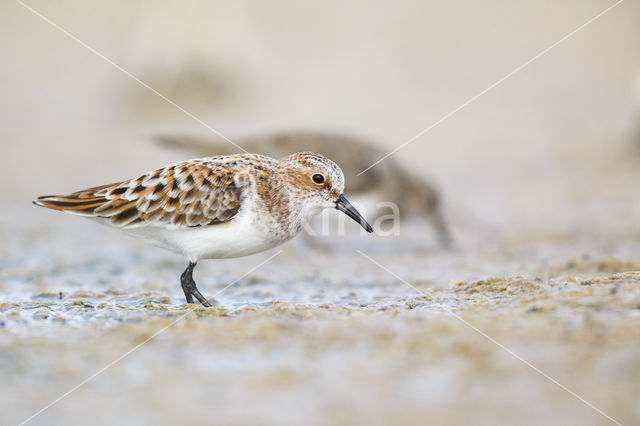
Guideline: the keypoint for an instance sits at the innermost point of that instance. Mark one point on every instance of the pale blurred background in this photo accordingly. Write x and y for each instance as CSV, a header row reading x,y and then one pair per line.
x,y
559,131
550,156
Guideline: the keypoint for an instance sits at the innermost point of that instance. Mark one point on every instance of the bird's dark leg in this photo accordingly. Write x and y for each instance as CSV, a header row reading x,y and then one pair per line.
x,y
189,286
185,279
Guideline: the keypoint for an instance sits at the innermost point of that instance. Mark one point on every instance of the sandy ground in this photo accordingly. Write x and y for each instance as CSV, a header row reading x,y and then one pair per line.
x,y
320,337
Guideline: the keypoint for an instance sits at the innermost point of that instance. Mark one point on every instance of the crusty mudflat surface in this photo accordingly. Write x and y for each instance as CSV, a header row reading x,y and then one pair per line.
x,y
319,337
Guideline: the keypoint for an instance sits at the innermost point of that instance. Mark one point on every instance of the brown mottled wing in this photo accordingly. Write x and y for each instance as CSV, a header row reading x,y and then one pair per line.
x,y
192,193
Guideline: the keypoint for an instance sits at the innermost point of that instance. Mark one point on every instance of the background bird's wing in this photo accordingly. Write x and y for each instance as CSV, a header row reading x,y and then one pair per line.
x,y
188,194
360,153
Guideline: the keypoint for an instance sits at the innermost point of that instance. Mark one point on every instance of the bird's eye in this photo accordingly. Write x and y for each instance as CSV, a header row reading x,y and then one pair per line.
x,y
318,179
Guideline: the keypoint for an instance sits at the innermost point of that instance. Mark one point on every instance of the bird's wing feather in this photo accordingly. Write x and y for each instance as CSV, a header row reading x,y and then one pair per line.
x,y
192,193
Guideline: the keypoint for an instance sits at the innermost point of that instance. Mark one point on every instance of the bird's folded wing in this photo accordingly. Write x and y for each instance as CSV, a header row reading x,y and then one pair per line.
x,y
187,194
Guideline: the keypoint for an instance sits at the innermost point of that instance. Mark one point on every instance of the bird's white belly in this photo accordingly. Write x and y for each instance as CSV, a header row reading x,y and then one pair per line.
x,y
239,237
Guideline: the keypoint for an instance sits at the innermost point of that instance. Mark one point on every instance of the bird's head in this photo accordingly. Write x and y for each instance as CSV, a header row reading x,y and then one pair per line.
x,y
318,184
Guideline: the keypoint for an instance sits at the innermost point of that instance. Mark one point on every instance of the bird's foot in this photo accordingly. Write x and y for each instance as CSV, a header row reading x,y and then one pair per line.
x,y
190,289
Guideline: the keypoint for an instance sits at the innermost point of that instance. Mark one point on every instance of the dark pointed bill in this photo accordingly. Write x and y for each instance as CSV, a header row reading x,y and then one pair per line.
x,y
345,206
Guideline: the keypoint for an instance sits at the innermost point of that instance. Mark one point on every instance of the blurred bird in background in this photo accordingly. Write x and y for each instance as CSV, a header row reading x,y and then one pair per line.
x,y
388,181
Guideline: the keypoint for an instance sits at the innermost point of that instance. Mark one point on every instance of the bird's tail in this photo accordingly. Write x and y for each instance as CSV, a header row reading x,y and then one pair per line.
x,y
81,202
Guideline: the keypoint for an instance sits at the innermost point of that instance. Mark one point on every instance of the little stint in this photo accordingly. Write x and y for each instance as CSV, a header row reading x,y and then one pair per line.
x,y
387,181
216,207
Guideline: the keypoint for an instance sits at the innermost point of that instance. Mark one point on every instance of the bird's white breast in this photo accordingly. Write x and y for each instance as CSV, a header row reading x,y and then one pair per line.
x,y
249,232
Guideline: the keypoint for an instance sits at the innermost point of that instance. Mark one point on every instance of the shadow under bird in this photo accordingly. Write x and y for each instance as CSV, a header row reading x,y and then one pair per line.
x,y
216,207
